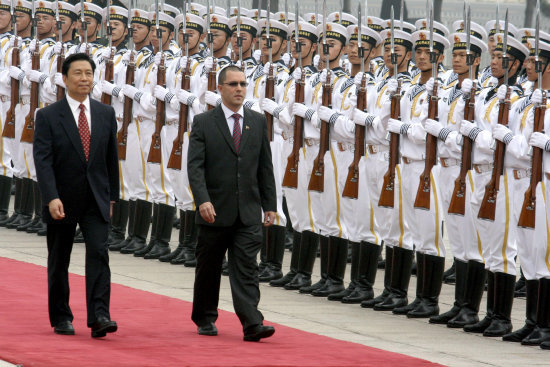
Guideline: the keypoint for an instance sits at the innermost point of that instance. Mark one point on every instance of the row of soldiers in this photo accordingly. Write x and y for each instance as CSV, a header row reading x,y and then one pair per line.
x,y
353,123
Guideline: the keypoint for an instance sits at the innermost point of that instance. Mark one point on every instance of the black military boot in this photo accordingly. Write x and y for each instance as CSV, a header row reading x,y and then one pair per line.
x,y
532,291
164,232
354,273
154,228
479,327
5,196
294,260
337,260
541,333
118,223
181,237
475,285
433,280
187,255
387,280
419,287
449,276
26,205
367,267
520,289
131,227
504,298
306,254
461,271
400,278
141,227
38,226
16,203
275,254
381,261
323,249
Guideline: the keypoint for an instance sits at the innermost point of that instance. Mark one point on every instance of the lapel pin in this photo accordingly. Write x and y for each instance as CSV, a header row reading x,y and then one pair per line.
x,y
246,127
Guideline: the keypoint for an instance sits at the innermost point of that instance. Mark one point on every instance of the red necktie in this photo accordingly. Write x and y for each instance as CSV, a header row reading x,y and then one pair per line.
x,y
84,131
236,131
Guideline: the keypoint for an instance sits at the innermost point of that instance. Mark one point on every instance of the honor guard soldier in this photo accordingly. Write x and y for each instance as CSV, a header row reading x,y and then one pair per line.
x,y
479,32
173,12
407,28
92,14
249,31
375,24
526,35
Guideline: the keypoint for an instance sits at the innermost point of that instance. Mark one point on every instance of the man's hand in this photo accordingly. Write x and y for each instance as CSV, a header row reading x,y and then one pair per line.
x,y
207,212
269,218
56,209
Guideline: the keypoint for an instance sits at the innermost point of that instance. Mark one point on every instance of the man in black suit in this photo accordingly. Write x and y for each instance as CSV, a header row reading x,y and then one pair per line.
x,y
75,154
231,176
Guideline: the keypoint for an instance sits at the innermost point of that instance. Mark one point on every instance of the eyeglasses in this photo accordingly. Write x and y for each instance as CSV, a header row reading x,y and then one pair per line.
x,y
234,84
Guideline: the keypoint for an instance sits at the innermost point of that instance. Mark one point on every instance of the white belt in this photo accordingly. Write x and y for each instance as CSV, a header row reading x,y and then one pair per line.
x,y
373,149
25,100
521,173
142,118
5,98
310,141
171,122
449,162
287,135
409,161
482,168
345,146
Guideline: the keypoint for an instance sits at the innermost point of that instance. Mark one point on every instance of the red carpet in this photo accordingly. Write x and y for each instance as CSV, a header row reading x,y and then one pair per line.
x,y
154,330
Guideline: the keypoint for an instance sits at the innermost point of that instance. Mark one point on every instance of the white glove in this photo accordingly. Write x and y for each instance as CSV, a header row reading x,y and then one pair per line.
x,y
362,118
57,48
58,80
323,76
466,86
433,127
257,54
316,59
183,62
12,41
396,126
466,127
82,48
106,53
286,59
297,74
501,92
126,57
189,99
536,97
392,86
325,113
266,68
16,73
107,87
358,78
502,133
32,45
158,58
302,110
430,86
208,64
540,140
211,98
268,105
161,93
129,91
37,76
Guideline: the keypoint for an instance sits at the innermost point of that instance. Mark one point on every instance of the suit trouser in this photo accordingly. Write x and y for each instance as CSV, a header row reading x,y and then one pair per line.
x,y
5,153
19,167
60,238
156,178
136,158
541,241
242,244
180,180
498,237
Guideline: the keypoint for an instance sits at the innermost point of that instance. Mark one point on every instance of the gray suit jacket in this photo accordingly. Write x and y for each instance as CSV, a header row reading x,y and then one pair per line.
x,y
237,184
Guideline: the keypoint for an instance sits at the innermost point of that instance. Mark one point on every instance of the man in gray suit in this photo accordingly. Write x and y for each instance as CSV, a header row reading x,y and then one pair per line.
x,y
231,176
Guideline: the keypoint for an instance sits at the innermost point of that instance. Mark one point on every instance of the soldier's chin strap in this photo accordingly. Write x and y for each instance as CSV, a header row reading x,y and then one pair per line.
x,y
339,53
401,63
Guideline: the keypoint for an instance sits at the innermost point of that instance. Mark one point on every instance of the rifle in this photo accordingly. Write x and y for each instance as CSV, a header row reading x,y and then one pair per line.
x,y
106,98
174,162
527,215
290,178
122,135
387,194
489,202
422,200
27,136
458,199
155,153
60,92
84,27
9,126
270,80
317,179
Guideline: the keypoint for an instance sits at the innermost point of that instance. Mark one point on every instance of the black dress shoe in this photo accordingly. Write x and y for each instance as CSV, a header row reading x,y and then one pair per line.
x,y
208,329
258,332
64,328
103,326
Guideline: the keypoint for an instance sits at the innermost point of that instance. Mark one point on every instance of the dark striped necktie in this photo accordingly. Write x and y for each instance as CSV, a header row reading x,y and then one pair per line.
x,y
236,131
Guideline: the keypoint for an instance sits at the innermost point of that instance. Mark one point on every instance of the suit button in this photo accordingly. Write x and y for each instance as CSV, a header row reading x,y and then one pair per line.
x,y
238,175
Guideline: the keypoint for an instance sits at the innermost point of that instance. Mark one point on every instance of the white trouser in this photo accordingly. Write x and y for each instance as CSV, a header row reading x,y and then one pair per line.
x,y
157,181
461,230
19,167
136,158
498,237
180,180
122,171
541,244
5,144
278,172
524,236
425,225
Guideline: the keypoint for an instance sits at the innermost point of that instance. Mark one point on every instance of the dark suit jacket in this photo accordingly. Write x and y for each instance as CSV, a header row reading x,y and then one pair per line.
x,y
60,163
236,184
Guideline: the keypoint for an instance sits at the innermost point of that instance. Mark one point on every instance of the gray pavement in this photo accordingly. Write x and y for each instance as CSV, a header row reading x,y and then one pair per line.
x,y
317,315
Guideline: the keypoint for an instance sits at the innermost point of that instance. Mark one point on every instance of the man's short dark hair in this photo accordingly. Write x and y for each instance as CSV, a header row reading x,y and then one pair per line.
x,y
221,77
76,57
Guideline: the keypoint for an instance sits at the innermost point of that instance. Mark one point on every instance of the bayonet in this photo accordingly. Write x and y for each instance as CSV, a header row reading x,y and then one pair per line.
x,y
325,45
58,22
341,10
13,20
297,35
267,30
393,56
209,30
239,37
288,37
433,56
505,49
84,24
360,50
538,63
402,10
316,14
109,29
185,35
228,9
129,26
497,21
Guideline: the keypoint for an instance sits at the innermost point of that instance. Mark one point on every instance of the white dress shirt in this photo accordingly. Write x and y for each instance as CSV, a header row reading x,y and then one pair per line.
x,y
75,108
230,120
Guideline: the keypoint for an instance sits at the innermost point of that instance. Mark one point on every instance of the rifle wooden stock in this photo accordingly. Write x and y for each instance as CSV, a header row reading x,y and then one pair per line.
x,y
60,93
9,126
174,162
489,202
422,200
155,152
122,135
212,82
269,94
290,179
27,136
317,179
387,194
351,187
527,215
106,98
458,199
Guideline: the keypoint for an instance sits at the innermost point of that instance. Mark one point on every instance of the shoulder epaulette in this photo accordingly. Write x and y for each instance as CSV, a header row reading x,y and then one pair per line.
x,y
348,83
340,73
